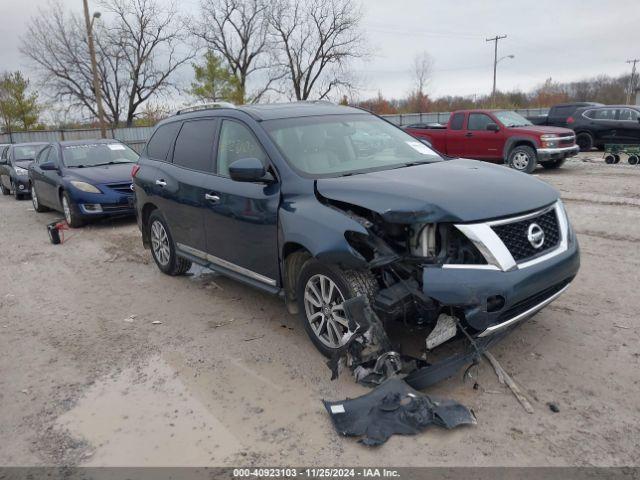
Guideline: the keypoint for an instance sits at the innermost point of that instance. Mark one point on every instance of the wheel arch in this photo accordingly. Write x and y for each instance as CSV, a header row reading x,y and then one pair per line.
x,y
514,142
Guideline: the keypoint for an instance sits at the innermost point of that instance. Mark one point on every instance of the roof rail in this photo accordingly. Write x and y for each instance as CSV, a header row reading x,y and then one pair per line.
x,y
205,106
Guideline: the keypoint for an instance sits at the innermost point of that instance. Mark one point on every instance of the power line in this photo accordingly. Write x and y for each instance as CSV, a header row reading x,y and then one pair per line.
x,y
495,60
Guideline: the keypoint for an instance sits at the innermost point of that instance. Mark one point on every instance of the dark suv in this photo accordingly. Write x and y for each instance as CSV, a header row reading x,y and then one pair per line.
x,y
279,197
609,124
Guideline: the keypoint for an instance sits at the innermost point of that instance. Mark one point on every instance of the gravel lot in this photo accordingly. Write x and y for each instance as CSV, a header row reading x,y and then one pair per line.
x,y
229,378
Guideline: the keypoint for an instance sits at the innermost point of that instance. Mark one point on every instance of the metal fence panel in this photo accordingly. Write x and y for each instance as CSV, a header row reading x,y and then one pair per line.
x,y
136,137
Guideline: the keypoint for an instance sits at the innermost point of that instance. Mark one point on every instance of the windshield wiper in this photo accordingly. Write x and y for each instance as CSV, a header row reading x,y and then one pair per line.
x,y
108,163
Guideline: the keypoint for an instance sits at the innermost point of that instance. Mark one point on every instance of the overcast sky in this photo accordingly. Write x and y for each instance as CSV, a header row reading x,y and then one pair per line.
x,y
566,40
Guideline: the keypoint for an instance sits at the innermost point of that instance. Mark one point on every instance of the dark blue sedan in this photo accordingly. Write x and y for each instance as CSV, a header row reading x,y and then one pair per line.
x,y
83,179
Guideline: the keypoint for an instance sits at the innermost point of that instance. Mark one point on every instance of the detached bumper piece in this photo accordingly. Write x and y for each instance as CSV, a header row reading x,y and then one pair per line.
x,y
394,408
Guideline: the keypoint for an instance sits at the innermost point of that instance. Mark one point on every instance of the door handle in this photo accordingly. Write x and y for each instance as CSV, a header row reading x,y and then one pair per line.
x,y
161,182
468,134
211,197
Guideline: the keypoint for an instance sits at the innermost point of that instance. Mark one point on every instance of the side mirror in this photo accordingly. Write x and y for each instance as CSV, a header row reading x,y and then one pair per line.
x,y
492,127
49,166
249,170
426,142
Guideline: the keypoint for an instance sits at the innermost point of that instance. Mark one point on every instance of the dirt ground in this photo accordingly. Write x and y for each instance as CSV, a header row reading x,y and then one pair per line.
x,y
229,377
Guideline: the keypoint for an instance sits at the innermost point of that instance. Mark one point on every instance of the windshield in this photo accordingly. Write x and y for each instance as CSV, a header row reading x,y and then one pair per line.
x,y
27,152
512,119
345,144
96,154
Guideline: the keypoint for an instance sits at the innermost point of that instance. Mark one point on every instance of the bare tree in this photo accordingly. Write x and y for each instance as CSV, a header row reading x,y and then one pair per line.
x,y
237,30
138,49
150,40
418,100
422,70
314,41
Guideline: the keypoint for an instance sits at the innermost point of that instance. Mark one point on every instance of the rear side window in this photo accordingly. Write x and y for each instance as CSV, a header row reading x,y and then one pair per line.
x,y
478,121
194,145
159,145
603,114
627,114
456,121
564,111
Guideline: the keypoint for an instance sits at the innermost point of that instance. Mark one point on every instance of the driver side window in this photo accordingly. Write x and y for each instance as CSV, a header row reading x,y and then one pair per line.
x,y
42,156
236,142
478,121
53,156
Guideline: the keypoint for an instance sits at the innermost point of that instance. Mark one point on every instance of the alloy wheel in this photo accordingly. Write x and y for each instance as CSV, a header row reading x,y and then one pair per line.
x,y
160,243
323,303
66,209
34,198
520,161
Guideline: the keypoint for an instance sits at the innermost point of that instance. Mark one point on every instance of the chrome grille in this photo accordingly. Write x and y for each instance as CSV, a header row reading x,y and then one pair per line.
x,y
514,235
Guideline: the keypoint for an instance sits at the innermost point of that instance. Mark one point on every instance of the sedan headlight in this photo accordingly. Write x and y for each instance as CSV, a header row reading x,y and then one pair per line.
x,y
85,187
21,171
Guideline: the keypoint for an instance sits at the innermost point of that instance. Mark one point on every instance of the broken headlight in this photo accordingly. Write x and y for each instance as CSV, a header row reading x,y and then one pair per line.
x,y
443,243
423,240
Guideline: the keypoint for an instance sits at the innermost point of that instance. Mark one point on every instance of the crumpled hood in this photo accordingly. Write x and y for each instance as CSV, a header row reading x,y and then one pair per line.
x,y
103,174
449,191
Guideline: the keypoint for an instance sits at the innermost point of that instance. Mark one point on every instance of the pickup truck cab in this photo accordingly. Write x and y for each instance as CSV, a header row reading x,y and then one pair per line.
x,y
500,136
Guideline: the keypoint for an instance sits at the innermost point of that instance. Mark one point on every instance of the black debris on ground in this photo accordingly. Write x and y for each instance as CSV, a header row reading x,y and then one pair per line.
x,y
394,408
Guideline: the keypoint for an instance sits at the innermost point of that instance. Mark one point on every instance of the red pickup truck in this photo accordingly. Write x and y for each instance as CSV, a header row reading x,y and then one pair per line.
x,y
500,136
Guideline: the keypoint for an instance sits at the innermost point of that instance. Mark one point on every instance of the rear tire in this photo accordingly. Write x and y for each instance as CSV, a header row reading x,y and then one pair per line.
x,y
609,159
320,313
523,159
37,206
163,248
584,141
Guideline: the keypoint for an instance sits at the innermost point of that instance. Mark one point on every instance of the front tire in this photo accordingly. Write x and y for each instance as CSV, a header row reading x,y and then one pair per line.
x,y
523,159
16,194
70,211
3,189
320,292
163,248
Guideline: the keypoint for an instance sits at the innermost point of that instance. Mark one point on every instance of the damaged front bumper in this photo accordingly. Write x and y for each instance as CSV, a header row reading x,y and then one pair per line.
x,y
523,290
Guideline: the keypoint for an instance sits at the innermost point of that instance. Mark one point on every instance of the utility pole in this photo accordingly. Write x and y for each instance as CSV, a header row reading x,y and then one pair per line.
x,y
495,62
94,67
631,80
